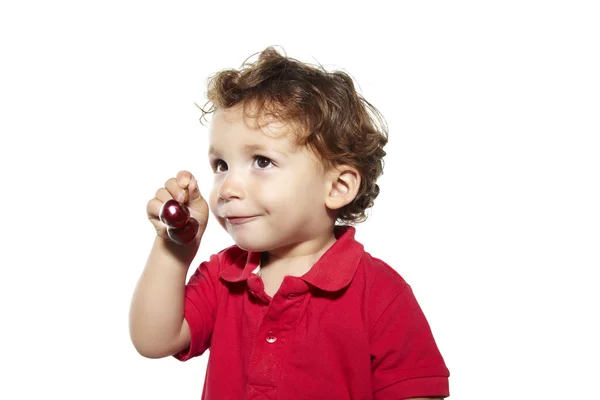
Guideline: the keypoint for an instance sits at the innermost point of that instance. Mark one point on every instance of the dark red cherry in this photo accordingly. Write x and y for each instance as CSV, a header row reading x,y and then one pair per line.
x,y
174,214
186,233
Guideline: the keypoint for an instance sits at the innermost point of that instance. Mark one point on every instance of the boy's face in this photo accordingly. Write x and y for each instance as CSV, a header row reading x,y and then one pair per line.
x,y
268,192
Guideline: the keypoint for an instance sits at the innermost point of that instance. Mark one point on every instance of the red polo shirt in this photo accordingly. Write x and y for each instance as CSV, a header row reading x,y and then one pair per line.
x,y
350,328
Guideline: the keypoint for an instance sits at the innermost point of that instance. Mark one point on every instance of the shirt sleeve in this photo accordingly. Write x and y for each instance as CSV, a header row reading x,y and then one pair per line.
x,y
200,307
405,359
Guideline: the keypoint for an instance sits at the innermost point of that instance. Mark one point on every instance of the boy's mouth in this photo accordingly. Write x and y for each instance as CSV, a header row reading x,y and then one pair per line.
x,y
238,220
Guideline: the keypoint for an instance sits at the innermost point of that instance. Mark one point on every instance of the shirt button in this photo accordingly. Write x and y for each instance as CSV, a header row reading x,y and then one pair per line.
x,y
271,338
292,295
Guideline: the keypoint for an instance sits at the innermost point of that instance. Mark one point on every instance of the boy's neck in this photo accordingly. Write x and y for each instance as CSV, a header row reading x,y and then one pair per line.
x,y
296,259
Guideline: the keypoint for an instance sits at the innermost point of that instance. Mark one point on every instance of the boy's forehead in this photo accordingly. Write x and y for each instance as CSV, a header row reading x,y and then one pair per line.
x,y
248,119
250,131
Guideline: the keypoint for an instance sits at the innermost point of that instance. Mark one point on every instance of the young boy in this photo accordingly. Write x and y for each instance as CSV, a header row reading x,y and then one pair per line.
x,y
296,309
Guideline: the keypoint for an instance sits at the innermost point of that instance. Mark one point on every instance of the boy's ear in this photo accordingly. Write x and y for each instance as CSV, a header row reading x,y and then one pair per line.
x,y
343,184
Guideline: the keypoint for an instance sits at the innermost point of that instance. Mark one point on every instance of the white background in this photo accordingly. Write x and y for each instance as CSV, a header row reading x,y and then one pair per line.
x,y
489,205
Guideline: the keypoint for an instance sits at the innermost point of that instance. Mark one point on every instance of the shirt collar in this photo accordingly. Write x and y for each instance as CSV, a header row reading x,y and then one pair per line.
x,y
333,271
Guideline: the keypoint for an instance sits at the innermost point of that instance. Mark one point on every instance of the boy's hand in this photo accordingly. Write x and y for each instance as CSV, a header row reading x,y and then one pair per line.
x,y
184,189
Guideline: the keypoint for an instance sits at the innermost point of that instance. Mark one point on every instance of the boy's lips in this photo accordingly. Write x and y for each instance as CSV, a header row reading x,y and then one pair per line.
x,y
237,220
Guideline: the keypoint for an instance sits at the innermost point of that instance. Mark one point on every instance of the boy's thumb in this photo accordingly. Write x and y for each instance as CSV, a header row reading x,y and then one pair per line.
x,y
195,200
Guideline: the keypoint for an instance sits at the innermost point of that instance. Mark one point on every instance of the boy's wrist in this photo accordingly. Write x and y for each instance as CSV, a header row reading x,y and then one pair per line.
x,y
183,253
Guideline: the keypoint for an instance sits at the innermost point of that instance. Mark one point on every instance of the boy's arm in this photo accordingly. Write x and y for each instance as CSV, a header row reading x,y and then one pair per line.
x,y
156,324
405,359
156,318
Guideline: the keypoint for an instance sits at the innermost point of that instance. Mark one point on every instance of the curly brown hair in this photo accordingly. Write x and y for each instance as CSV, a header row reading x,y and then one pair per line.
x,y
336,122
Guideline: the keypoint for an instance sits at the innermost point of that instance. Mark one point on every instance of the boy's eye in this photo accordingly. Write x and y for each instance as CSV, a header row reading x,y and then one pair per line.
x,y
262,162
219,166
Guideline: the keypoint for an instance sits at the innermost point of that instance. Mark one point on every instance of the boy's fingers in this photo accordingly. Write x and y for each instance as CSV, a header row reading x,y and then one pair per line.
x,y
184,178
194,191
183,188
185,197
153,207
163,195
176,191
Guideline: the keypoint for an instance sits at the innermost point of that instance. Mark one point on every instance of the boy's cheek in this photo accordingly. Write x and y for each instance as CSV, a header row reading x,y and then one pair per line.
x,y
212,200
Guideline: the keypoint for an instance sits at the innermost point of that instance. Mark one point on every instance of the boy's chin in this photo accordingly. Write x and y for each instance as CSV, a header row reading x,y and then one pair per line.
x,y
247,244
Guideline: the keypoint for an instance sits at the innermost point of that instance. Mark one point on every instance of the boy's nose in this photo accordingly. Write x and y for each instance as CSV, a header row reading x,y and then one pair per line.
x,y
231,189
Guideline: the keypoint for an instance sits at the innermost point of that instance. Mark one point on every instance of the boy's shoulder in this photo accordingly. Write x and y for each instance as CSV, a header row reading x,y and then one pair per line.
x,y
381,275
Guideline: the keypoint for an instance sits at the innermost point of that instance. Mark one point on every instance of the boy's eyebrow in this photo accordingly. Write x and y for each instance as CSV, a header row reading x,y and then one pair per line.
x,y
249,148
